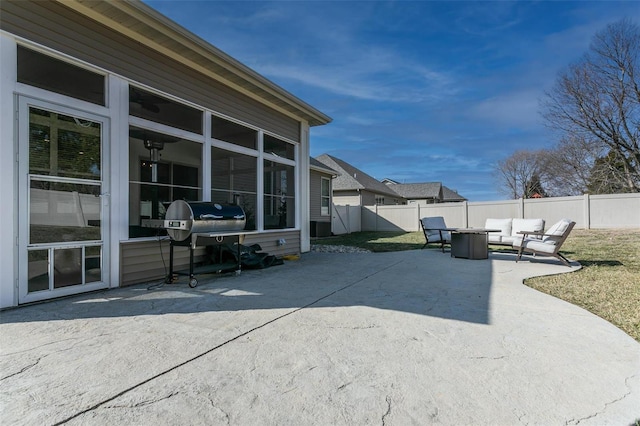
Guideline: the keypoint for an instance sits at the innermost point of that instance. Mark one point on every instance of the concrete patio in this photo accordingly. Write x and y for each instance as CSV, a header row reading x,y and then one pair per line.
x,y
332,339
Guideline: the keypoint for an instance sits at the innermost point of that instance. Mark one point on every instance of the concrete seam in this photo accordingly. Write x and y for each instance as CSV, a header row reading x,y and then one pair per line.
x,y
207,352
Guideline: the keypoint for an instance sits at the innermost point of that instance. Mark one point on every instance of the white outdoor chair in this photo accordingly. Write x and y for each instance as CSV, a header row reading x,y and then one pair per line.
x,y
435,231
547,243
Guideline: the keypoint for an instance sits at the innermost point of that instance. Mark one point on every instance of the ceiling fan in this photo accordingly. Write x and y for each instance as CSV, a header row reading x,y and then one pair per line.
x,y
146,100
151,140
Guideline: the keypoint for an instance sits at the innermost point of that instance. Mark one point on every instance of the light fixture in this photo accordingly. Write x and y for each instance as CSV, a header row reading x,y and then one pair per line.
x,y
154,150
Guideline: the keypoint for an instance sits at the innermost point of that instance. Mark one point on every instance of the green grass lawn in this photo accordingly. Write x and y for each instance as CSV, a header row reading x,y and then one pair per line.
x,y
608,284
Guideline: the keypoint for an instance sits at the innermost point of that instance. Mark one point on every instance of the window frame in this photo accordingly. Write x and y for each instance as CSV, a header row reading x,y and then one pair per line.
x,y
185,136
72,63
323,197
238,149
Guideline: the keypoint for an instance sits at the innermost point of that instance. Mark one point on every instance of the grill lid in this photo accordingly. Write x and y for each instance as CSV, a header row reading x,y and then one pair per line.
x,y
184,218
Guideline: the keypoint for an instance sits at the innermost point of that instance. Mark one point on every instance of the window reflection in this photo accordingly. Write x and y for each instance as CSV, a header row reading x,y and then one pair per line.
x,y
234,181
67,269
278,147
162,169
92,264
38,267
234,133
279,195
162,110
62,211
45,72
65,146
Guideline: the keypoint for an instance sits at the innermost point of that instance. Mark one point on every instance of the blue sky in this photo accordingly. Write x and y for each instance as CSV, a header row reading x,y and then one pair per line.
x,y
419,91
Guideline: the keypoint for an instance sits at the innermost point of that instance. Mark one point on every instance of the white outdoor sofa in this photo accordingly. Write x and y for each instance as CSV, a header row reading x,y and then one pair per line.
x,y
510,230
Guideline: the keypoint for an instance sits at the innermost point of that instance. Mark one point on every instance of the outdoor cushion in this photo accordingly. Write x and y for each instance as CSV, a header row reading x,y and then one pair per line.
x,y
535,225
537,246
504,225
510,228
556,231
530,225
550,244
431,226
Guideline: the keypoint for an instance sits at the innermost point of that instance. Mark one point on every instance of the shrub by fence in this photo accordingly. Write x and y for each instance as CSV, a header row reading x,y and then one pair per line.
x,y
588,211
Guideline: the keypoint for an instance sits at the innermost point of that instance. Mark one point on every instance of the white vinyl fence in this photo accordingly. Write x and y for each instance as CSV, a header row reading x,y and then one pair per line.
x,y
588,211
346,219
63,208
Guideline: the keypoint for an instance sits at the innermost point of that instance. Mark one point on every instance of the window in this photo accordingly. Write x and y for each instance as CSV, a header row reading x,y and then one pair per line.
x,y
278,147
279,195
162,169
380,200
234,180
46,72
228,131
161,110
325,196
61,145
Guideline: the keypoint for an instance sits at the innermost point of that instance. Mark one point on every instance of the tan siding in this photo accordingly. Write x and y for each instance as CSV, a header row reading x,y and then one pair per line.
x,y
142,261
368,198
314,195
315,191
269,242
344,198
80,37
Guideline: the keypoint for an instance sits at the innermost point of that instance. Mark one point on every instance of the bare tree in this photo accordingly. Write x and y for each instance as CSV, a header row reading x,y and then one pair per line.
x,y
567,168
597,99
607,175
516,172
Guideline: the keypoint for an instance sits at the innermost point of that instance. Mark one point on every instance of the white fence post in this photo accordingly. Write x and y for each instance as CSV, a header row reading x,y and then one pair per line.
x,y
521,208
587,212
377,216
465,212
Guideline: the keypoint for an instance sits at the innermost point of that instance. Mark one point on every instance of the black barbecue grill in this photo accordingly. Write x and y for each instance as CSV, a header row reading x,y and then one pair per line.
x,y
190,224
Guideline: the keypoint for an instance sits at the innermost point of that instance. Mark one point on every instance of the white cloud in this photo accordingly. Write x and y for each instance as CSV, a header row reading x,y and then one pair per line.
x,y
375,76
514,109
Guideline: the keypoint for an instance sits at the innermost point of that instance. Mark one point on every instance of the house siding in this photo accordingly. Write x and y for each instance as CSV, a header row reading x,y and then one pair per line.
x,y
315,191
343,198
57,27
63,33
368,198
148,260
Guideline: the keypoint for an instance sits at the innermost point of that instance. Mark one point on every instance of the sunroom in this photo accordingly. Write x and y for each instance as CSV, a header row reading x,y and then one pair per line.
x,y
113,112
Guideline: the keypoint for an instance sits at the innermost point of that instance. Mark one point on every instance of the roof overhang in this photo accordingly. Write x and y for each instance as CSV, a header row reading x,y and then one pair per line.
x,y
324,170
145,25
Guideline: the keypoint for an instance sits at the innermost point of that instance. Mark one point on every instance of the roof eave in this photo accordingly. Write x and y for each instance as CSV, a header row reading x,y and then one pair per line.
x,y
333,173
240,77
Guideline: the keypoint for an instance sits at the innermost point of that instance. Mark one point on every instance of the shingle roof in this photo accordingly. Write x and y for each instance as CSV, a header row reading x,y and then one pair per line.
x,y
318,166
418,190
425,190
451,195
352,178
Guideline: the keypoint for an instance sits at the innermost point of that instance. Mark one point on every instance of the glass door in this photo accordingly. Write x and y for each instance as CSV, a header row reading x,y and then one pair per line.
x,y
63,220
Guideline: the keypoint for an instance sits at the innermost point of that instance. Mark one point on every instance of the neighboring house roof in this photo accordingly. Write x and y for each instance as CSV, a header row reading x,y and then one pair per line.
x,y
412,191
351,178
388,181
152,29
319,167
449,195
423,191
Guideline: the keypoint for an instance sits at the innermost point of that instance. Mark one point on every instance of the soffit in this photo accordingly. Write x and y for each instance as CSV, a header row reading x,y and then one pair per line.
x,y
143,24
